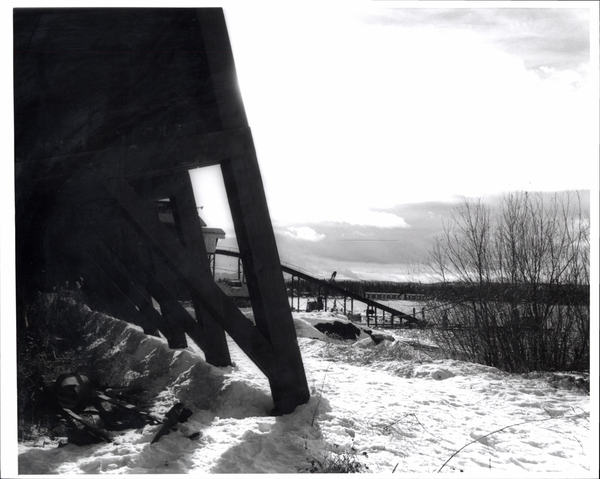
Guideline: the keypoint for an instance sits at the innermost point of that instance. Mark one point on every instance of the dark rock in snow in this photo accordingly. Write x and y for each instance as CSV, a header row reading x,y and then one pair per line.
x,y
339,329
380,337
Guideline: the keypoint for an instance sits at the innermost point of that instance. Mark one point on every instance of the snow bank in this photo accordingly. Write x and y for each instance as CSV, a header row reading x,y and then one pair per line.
x,y
399,415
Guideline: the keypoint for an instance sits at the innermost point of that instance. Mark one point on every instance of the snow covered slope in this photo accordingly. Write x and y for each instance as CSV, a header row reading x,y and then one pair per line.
x,y
386,407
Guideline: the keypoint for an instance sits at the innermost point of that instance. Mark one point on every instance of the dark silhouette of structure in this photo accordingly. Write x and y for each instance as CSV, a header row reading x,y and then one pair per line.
x,y
112,108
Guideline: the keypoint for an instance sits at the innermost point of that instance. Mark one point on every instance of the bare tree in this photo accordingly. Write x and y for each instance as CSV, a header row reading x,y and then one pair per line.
x,y
515,282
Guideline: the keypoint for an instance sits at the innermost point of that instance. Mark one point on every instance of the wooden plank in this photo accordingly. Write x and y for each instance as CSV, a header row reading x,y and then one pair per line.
x,y
188,223
252,223
127,249
150,158
240,328
159,282
113,276
207,333
104,435
130,407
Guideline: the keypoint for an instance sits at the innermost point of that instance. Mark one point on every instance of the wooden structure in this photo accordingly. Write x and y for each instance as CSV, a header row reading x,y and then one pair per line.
x,y
112,108
329,286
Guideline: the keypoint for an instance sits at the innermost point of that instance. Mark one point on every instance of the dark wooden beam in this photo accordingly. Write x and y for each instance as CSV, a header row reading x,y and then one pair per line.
x,y
188,224
116,273
160,282
188,231
254,231
151,158
157,236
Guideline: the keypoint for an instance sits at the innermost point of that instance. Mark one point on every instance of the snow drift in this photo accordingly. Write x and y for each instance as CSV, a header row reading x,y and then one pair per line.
x,y
386,407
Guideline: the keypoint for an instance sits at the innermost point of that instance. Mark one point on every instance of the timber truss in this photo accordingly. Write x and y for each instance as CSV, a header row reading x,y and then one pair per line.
x,y
112,108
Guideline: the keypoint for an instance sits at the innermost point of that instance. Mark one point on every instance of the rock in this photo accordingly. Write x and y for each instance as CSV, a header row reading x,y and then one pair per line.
x,y
380,337
339,329
440,374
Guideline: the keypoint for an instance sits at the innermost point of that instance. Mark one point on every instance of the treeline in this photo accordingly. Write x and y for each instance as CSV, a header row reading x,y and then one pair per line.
x,y
540,293
358,287
543,293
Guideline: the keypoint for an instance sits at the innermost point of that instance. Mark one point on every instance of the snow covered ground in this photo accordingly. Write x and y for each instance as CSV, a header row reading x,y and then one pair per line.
x,y
389,407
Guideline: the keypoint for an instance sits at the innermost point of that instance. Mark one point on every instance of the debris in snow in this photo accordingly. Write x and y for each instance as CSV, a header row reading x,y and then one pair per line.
x,y
177,414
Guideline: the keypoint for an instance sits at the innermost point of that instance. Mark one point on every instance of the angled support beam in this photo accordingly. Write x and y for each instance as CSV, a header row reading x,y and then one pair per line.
x,y
177,258
130,265
171,329
111,268
188,223
119,303
178,188
159,281
252,222
262,269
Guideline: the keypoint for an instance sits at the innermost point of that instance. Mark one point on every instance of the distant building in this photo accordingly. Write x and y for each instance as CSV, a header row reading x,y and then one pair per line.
x,y
413,297
395,296
211,235
373,295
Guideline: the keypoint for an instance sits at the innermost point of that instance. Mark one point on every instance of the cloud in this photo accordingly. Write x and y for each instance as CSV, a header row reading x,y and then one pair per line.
x,y
377,219
551,37
434,103
319,207
304,233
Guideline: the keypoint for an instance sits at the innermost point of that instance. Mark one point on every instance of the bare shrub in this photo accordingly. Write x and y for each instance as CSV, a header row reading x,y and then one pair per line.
x,y
335,461
514,289
52,344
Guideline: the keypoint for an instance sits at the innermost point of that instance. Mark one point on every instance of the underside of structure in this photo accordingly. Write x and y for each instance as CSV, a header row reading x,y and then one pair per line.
x,y
112,108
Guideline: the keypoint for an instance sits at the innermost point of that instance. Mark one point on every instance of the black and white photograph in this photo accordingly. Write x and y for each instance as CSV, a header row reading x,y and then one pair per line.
x,y
293,238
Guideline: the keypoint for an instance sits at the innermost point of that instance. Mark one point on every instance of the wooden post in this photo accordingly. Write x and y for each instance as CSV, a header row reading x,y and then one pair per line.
x,y
254,231
188,230
116,292
292,292
318,292
113,269
198,280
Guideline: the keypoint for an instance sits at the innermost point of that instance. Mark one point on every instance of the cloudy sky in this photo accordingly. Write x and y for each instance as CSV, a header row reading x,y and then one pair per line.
x,y
371,119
